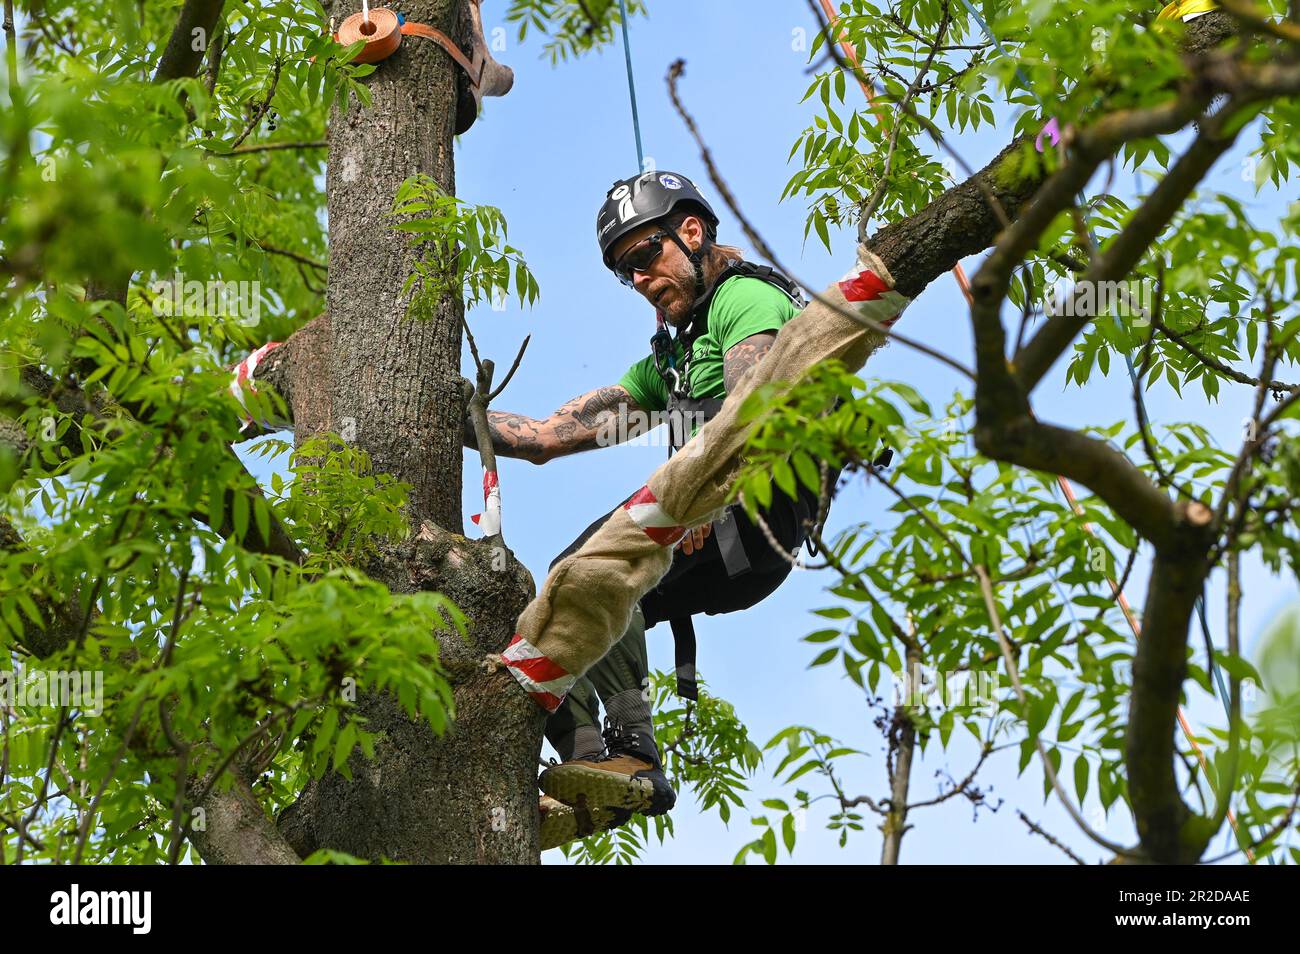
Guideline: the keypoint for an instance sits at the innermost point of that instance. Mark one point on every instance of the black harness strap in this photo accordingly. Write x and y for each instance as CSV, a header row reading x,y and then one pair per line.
x,y
684,656
685,411
732,548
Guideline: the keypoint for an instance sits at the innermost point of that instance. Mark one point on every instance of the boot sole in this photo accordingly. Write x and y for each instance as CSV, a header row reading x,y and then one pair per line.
x,y
561,827
579,785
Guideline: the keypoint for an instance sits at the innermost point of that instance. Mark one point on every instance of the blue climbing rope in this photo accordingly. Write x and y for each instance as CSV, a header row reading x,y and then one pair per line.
x,y
631,87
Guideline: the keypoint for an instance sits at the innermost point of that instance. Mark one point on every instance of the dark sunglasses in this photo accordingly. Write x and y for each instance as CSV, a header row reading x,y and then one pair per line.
x,y
640,257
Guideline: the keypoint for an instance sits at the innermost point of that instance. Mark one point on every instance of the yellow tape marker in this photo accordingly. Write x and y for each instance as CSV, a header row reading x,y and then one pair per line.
x,y
1186,10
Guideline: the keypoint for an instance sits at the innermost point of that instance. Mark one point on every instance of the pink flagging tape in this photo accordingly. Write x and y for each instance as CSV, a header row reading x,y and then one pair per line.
x,y
871,297
244,372
646,513
489,521
546,681
1052,130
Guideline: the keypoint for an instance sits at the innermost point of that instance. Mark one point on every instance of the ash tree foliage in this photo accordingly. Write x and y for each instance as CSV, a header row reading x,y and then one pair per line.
x,y
989,566
224,615
235,624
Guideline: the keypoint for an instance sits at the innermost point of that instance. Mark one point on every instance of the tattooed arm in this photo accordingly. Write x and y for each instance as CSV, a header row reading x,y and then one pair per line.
x,y
743,355
595,419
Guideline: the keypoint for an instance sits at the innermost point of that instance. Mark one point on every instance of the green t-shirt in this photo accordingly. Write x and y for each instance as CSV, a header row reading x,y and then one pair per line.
x,y
743,306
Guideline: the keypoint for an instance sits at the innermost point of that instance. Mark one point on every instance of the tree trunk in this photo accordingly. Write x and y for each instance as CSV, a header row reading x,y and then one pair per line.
x,y
395,391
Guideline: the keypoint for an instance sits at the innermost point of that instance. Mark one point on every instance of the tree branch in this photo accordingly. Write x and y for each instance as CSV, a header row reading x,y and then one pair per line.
x,y
1121,255
269,147
237,831
1257,19
180,58
1226,370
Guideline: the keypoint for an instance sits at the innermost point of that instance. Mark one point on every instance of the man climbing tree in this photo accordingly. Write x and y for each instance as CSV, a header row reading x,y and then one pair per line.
x,y
658,235
294,668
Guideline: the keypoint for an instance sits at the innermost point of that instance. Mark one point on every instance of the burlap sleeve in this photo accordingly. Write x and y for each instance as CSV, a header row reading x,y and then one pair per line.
x,y
587,600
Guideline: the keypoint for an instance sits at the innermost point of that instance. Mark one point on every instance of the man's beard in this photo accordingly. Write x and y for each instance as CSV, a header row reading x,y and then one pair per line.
x,y
676,312
681,300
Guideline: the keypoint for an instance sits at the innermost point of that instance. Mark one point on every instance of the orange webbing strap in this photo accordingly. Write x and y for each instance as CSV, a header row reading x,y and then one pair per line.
x,y
444,41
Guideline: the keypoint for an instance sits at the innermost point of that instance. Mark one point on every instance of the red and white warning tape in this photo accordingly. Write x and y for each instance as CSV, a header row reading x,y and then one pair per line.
x,y
658,525
489,521
871,297
546,681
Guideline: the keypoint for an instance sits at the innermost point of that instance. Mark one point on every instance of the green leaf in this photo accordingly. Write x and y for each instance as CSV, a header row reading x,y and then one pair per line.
x,y
822,636
240,511
1237,667
833,612
343,745
824,657
819,223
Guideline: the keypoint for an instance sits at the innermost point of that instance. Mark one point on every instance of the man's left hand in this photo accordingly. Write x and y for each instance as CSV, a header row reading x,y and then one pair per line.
x,y
694,539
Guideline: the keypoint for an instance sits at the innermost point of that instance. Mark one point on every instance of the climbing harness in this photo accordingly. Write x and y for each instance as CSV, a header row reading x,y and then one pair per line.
x,y
684,409
664,348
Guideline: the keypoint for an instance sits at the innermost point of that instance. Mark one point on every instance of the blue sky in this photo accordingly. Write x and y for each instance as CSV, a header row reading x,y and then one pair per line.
x,y
545,155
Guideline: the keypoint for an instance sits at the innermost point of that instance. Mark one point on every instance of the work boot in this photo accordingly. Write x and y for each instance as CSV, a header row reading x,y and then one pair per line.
x,y
561,823
627,775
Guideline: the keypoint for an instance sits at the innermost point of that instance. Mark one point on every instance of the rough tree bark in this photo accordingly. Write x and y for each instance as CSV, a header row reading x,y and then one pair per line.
x,y
394,390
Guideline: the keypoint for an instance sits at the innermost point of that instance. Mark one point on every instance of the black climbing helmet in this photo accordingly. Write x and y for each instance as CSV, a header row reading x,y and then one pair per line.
x,y
631,203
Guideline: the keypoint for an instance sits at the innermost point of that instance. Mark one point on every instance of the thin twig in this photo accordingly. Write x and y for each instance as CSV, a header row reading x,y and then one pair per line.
x,y
676,71
38,16
293,256
985,751
261,110
514,366
986,589
1226,370
1050,840
878,195
477,395
268,147
1139,406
